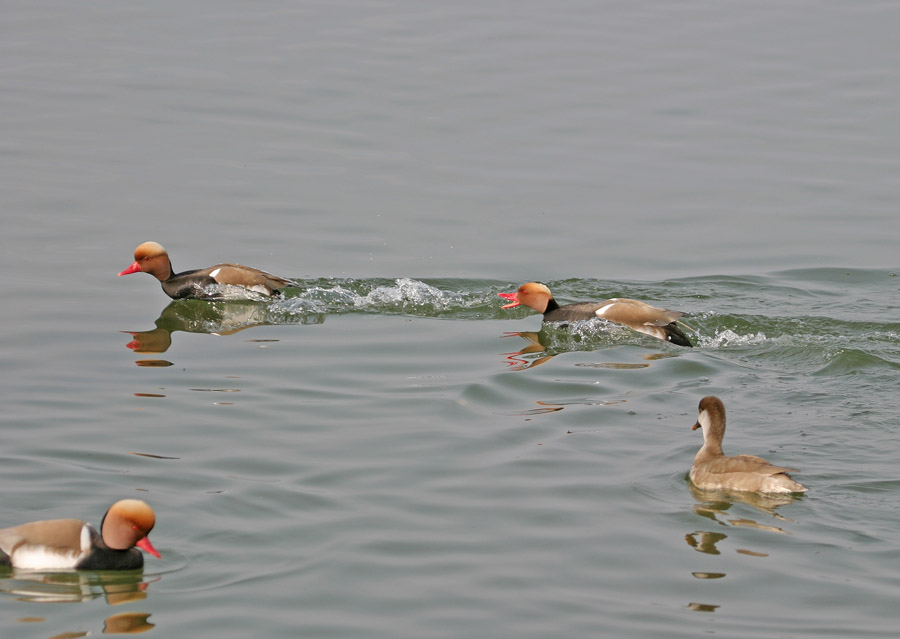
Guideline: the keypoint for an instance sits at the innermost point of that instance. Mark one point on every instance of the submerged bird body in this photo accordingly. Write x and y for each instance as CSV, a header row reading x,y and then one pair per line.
x,y
712,470
205,283
60,544
639,316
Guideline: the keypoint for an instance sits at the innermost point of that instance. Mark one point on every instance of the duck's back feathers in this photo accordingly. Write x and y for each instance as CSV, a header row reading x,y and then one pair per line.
x,y
744,473
202,283
633,312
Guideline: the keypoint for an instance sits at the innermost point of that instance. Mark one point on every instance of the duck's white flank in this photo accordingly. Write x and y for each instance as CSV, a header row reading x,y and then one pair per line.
x,y
32,557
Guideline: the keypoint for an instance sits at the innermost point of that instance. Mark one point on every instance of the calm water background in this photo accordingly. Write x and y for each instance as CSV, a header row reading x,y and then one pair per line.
x,y
379,454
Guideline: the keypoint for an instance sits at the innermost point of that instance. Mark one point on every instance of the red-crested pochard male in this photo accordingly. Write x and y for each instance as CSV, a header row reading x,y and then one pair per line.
x,y
152,258
61,544
712,470
656,322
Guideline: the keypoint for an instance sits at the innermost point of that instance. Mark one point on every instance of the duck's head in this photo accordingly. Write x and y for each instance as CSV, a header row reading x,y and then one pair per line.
x,y
126,524
711,418
151,257
533,294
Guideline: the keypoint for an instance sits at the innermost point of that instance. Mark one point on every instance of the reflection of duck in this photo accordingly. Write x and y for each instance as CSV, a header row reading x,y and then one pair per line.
x,y
544,346
704,541
220,318
715,504
712,470
60,587
206,283
156,341
639,316
71,543
517,362
127,623
711,503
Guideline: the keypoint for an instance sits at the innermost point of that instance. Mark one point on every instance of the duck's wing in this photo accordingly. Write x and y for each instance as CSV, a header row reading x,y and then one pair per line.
x,y
248,277
636,313
57,533
9,541
744,464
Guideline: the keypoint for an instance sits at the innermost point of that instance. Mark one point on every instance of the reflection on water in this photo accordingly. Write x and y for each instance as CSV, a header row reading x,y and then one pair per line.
x,y
699,607
151,455
713,505
214,318
153,363
712,502
750,523
124,623
39,587
552,407
119,587
127,623
522,359
552,341
703,541
545,407
615,365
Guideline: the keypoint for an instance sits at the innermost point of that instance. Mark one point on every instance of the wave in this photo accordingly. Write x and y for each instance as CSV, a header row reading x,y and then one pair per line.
x,y
828,325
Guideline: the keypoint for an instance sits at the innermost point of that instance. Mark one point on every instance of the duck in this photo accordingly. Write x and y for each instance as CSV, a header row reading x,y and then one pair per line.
x,y
712,470
212,283
73,544
639,316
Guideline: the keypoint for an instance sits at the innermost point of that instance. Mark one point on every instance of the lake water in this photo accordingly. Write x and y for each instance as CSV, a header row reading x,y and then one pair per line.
x,y
385,452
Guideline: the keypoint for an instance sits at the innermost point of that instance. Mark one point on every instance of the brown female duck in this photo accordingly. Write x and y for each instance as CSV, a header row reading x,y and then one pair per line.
x,y
712,470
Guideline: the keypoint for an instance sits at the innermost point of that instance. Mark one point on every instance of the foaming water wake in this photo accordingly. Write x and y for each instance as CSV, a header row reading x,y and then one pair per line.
x,y
783,321
404,295
727,337
233,293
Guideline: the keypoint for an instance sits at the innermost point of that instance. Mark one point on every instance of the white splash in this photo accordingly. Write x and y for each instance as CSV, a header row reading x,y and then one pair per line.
x,y
408,293
229,292
729,338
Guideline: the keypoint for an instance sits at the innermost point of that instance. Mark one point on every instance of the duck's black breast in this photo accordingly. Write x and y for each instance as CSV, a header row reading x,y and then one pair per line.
x,y
572,312
108,559
103,557
189,284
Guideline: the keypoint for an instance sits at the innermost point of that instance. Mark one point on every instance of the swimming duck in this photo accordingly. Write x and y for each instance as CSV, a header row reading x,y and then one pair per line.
x,y
639,316
60,544
152,258
712,470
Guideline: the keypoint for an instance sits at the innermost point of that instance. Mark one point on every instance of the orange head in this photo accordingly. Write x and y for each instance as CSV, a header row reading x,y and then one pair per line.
x,y
126,524
532,294
152,258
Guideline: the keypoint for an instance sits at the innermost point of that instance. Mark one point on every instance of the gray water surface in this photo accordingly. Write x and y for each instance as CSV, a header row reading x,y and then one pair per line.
x,y
385,452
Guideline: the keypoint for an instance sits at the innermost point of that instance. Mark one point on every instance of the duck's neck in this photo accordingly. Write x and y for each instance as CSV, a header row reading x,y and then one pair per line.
x,y
709,450
168,274
551,306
